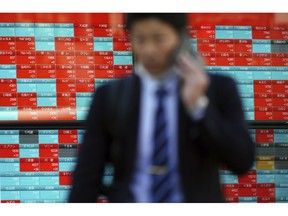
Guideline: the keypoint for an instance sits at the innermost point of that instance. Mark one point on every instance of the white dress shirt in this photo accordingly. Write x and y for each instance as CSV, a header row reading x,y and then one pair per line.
x,y
142,181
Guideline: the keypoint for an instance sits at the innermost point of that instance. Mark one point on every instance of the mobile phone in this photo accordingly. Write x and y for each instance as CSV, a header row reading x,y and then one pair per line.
x,y
185,46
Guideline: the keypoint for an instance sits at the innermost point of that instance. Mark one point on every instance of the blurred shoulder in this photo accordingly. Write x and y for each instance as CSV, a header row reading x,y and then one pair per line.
x,y
115,86
218,79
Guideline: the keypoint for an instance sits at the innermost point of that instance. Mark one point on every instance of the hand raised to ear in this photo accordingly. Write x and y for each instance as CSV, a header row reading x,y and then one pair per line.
x,y
195,80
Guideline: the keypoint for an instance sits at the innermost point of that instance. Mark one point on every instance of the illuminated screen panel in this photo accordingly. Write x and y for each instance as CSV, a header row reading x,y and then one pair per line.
x,y
36,166
49,71
50,65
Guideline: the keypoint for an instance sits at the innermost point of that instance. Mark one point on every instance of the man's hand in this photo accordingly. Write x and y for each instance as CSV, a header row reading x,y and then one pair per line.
x,y
195,80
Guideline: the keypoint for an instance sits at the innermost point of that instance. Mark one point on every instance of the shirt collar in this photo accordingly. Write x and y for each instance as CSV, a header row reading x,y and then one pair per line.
x,y
169,80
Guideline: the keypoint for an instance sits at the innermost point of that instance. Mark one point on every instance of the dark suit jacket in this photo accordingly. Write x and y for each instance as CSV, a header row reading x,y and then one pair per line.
x,y
220,139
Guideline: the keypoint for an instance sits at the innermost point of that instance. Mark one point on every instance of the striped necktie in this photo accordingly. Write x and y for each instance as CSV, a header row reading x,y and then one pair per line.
x,y
161,190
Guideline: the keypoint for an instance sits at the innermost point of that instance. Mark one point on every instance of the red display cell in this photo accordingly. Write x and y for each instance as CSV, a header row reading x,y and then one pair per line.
x,y
264,131
280,115
263,102
25,57
103,32
47,113
265,138
262,59
8,99
205,31
263,115
206,45
243,45
8,85
280,86
49,165
224,46
122,46
65,53
7,57
67,113
84,43
262,82
65,57
210,61
280,109
85,71
9,151
65,71
64,39
266,192
41,73
119,67
29,164
230,190
81,74
7,43
83,30
225,59
247,190
250,178
68,136
279,33
10,201
85,85
266,199
65,85
263,109
266,185
280,95
263,95
27,113
25,43
106,60
243,59
280,102
84,57
104,73
66,99
262,88
122,70
65,178
103,53
103,58
261,32
26,71
103,25
45,57
48,150
64,43
122,73
279,59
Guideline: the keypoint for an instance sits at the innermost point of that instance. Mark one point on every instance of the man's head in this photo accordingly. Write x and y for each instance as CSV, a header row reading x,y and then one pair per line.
x,y
155,38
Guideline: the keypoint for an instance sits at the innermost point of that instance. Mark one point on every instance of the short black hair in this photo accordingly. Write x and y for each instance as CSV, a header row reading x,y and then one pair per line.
x,y
177,20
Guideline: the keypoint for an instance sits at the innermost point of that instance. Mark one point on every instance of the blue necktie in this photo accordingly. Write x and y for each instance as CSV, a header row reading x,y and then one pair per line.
x,y
161,190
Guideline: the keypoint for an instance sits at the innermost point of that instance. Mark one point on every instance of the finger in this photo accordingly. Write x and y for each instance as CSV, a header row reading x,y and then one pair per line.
x,y
190,65
186,59
180,72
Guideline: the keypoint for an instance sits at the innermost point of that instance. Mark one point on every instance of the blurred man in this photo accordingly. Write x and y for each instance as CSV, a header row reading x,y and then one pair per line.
x,y
167,129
